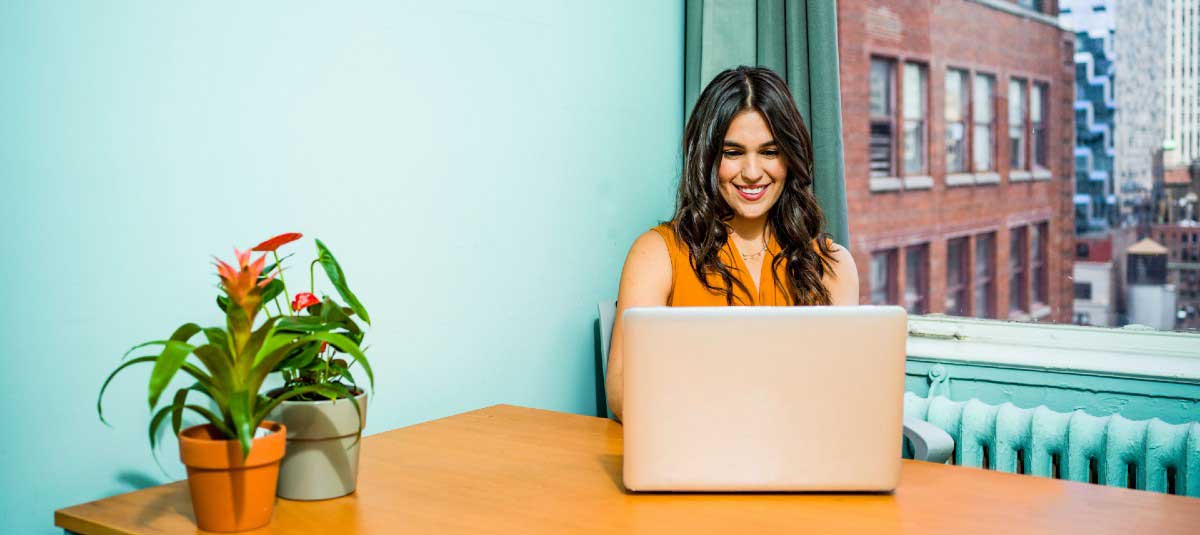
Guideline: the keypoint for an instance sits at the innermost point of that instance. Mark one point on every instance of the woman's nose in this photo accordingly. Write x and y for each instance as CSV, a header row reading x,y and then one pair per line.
x,y
751,170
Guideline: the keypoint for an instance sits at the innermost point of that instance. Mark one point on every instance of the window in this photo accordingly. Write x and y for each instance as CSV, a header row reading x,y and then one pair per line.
x,y
956,121
1037,266
981,108
883,88
1083,290
1016,123
1037,116
883,271
1035,5
914,119
1016,270
916,279
956,277
985,257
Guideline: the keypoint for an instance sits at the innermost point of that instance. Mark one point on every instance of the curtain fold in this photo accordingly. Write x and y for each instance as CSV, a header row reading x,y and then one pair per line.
x,y
798,40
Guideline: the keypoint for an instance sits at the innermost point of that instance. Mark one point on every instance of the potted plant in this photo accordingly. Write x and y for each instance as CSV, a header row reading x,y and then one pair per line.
x,y
233,460
320,402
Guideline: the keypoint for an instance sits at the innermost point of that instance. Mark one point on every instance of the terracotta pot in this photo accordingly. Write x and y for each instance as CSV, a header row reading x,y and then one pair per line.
x,y
230,493
322,447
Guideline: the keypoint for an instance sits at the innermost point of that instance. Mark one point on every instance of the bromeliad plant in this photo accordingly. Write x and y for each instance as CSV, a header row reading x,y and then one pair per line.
x,y
232,363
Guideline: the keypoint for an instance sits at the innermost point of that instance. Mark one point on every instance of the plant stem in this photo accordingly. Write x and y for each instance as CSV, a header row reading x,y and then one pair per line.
x,y
286,298
277,307
312,285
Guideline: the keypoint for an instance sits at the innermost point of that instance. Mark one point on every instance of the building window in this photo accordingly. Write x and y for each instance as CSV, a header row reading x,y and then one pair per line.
x,y
883,277
883,90
1016,123
1037,265
985,258
1035,5
956,121
915,113
1083,290
982,140
1016,270
916,279
1037,116
956,277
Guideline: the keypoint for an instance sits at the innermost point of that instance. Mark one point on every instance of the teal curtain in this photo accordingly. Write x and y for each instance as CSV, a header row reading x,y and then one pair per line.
x,y
798,40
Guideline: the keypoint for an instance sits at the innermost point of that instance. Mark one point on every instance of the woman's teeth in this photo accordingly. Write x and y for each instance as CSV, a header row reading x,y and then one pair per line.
x,y
752,191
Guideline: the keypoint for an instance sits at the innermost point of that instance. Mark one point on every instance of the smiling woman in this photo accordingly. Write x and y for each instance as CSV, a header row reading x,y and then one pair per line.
x,y
747,229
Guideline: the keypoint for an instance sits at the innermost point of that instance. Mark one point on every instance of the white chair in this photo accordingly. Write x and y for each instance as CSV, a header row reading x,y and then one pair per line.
x,y
929,442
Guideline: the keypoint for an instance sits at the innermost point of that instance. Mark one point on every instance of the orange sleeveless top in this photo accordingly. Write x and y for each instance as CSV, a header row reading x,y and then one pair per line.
x,y
688,291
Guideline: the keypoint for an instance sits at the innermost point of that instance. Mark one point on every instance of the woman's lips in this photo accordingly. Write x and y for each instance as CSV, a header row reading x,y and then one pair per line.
x,y
752,194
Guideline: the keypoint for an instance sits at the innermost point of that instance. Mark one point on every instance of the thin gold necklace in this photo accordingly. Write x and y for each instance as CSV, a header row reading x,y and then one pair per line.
x,y
760,251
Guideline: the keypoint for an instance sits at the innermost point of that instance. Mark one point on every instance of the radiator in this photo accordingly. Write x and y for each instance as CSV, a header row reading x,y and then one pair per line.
x,y
1108,450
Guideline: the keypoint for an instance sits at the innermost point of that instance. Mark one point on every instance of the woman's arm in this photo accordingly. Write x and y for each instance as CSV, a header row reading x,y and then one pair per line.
x,y
843,285
645,282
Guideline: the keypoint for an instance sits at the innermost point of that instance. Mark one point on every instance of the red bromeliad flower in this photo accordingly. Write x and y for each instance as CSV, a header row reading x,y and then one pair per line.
x,y
304,300
272,244
240,283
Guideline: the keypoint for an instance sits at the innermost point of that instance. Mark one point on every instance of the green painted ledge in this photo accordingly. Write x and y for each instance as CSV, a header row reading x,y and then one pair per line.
x,y
1139,374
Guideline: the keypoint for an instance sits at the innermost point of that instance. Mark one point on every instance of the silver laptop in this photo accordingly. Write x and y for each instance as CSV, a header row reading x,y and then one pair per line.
x,y
763,398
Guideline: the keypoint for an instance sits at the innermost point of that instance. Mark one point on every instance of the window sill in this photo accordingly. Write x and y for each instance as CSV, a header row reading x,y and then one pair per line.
x,y
1102,351
1040,311
918,182
1019,175
987,178
1042,174
889,183
960,179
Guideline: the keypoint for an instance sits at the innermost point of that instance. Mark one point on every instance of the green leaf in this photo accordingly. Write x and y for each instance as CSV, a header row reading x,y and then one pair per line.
x,y
165,367
304,324
177,408
334,315
100,398
223,303
272,290
182,334
216,359
336,277
257,338
306,356
243,421
347,346
267,270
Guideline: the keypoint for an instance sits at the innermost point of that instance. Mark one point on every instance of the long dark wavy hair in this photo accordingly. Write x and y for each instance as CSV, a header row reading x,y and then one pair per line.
x,y
701,213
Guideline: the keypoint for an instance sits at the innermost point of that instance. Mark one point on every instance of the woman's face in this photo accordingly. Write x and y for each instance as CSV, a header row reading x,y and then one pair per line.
x,y
752,170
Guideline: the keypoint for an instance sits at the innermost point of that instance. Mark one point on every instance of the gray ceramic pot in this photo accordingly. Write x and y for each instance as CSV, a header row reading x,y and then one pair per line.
x,y
322,448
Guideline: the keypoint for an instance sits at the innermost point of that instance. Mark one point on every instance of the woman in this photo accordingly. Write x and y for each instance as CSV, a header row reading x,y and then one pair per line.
x,y
747,229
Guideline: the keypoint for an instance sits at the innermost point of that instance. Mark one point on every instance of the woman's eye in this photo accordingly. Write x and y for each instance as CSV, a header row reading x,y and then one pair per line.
x,y
771,153
732,154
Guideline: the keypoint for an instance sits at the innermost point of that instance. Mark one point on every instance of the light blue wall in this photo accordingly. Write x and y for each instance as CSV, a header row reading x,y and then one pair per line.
x,y
479,171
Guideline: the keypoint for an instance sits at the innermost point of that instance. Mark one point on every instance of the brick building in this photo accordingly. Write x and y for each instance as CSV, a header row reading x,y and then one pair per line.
x,y
958,135
1183,269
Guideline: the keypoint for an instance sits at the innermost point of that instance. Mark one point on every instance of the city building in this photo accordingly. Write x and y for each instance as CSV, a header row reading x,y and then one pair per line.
x,y
1150,298
1095,281
1139,46
959,155
1095,112
1182,84
1182,244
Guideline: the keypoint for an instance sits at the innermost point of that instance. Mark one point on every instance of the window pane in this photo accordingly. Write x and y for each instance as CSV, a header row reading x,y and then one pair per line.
x,y
915,290
956,117
984,254
981,107
1016,269
1016,123
914,147
881,277
881,87
914,91
956,277
881,149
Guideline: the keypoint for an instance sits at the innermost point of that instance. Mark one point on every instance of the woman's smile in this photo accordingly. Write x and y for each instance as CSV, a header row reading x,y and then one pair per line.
x,y
752,193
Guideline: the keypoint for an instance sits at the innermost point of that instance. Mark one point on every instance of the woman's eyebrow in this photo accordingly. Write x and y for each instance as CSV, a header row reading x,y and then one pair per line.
x,y
740,146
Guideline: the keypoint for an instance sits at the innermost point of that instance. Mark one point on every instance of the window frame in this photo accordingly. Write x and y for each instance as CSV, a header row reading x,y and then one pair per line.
x,y
1021,150
965,120
1018,240
991,124
920,305
923,100
1039,125
891,278
1039,275
890,118
985,281
963,288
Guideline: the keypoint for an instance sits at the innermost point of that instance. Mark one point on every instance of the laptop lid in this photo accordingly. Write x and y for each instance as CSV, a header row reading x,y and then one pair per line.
x,y
763,398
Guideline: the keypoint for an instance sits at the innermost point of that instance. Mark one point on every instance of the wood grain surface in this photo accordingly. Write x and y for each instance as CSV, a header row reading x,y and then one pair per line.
x,y
507,469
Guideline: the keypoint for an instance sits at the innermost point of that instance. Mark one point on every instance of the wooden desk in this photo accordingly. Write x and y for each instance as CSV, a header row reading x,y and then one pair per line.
x,y
508,469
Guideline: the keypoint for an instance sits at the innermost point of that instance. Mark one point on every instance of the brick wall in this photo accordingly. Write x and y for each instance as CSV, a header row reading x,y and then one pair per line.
x,y
967,35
